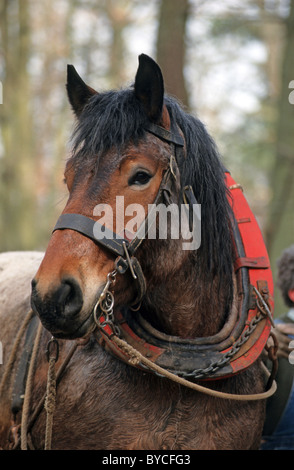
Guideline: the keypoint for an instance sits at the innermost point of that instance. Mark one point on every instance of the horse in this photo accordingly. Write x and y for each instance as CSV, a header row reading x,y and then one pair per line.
x,y
130,302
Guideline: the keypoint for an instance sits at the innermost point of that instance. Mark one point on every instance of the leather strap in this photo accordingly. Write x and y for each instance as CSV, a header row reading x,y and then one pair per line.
x,y
86,226
255,263
111,240
164,134
22,370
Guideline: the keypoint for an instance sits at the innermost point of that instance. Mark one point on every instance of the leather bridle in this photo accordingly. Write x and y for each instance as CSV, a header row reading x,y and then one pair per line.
x,y
121,247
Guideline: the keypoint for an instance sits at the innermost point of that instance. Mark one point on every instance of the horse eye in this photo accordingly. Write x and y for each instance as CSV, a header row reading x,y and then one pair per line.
x,y
140,178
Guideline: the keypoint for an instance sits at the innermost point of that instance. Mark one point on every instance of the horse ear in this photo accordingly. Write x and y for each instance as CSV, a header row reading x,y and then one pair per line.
x,y
78,92
149,87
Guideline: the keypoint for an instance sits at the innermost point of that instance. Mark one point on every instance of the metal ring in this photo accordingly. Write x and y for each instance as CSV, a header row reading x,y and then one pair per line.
x,y
107,304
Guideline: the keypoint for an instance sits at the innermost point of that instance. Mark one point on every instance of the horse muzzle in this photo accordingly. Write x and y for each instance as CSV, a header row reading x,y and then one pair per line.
x,y
60,309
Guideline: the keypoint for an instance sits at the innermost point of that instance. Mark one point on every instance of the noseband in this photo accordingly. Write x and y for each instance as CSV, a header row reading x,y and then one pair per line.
x,y
245,333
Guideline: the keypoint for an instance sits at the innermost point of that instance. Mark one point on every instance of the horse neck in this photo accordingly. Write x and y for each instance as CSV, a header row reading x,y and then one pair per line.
x,y
183,300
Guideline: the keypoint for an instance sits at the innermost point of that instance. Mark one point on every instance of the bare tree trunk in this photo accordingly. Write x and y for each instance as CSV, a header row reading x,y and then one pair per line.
x,y
171,46
17,175
280,228
118,14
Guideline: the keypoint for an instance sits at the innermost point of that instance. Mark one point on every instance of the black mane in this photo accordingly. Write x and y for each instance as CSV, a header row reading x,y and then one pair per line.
x,y
116,118
110,119
204,170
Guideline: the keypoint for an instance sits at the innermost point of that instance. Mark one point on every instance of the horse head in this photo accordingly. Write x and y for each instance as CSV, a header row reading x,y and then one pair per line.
x,y
132,148
111,165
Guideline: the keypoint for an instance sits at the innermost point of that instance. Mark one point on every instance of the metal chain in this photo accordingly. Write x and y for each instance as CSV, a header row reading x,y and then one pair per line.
x,y
214,367
104,306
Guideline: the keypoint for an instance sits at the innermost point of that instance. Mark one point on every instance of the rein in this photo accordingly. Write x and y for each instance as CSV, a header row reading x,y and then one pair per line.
x,y
138,358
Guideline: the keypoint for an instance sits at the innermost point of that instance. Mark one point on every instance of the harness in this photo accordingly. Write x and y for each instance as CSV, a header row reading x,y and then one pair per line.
x,y
244,335
133,340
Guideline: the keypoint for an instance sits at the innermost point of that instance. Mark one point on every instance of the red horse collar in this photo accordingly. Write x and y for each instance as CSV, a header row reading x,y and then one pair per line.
x,y
245,334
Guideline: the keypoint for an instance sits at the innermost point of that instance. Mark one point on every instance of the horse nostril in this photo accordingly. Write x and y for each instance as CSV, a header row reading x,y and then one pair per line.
x,y
69,296
65,300
64,294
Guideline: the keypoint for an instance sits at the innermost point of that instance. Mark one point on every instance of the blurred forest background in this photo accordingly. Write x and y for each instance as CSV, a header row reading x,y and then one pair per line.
x,y
230,62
